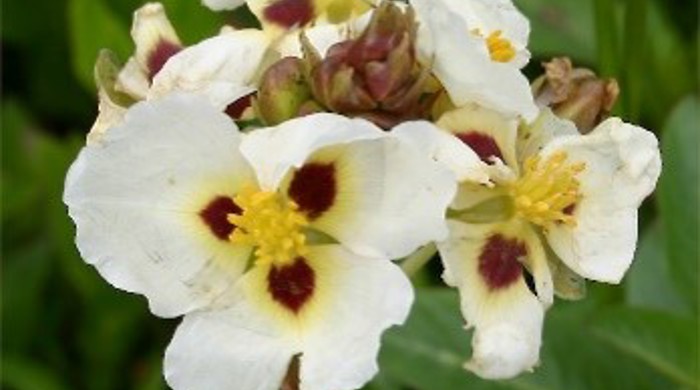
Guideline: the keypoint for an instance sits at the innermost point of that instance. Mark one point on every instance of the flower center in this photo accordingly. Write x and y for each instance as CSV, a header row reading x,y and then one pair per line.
x,y
547,191
501,49
270,223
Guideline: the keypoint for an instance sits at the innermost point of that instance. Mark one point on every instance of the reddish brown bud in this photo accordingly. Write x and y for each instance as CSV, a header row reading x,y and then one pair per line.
x,y
575,93
376,75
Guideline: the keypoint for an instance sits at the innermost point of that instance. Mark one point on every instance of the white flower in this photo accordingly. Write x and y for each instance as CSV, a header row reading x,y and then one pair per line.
x,y
222,68
156,41
476,49
537,208
278,251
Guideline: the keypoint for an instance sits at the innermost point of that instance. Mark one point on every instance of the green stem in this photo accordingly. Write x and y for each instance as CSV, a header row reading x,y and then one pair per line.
x,y
418,259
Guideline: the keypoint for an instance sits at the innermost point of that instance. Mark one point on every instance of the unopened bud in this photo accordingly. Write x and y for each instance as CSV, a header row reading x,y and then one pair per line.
x,y
283,91
576,94
376,75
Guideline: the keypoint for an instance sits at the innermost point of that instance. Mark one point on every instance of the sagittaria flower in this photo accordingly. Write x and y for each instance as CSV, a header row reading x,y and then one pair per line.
x,y
274,244
538,207
476,49
222,68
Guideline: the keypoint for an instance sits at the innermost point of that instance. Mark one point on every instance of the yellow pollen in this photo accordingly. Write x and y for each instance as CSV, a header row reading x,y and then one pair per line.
x,y
271,224
501,49
546,189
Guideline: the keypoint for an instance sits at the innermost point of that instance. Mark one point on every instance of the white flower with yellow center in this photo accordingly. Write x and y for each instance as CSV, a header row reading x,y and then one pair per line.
x,y
537,209
476,49
275,243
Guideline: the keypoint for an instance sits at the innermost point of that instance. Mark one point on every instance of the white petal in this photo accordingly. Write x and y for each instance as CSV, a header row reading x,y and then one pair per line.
x,y
273,151
534,137
150,28
395,200
111,114
462,63
136,196
321,37
444,148
221,5
507,317
235,348
622,166
221,68
369,295
493,15
472,119
133,80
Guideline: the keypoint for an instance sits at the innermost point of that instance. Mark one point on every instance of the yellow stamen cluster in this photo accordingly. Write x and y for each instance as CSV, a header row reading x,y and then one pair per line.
x,y
501,49
546,189
271,224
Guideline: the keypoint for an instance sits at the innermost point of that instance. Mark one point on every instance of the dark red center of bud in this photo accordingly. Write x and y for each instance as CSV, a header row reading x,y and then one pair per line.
x,y
235,110
215,216
314,188
292,285
499,262
289,13
483,145
160,55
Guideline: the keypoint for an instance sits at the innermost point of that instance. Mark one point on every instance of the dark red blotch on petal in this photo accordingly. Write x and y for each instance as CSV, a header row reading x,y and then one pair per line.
x,y
160,55
290,13
215,216
292,285
499,263
314,188
483,145
569,210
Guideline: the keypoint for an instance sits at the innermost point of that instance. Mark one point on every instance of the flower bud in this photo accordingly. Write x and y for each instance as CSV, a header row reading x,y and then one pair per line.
x,y
576,94
376,75
283,91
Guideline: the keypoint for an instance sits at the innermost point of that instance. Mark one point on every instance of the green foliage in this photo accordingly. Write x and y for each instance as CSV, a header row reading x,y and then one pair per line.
x,y
65,328
678,196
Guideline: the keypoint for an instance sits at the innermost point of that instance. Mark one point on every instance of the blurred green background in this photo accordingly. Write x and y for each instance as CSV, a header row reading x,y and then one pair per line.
x,y
65,328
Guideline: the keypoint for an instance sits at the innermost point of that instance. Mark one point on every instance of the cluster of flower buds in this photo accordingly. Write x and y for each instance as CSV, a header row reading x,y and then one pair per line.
x,y
262,183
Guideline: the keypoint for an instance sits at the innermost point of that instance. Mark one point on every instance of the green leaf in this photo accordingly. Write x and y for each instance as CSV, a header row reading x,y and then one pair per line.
x,y
559,28
23,374
26,274
649,283
93,26
666,343
678,196
666,82
192,20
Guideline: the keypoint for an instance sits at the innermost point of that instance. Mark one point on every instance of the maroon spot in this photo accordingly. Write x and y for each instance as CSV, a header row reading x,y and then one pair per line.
x,y
313,188
215,216
483,145
158,57
292,285
498,262
569,210
235,110
289,13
